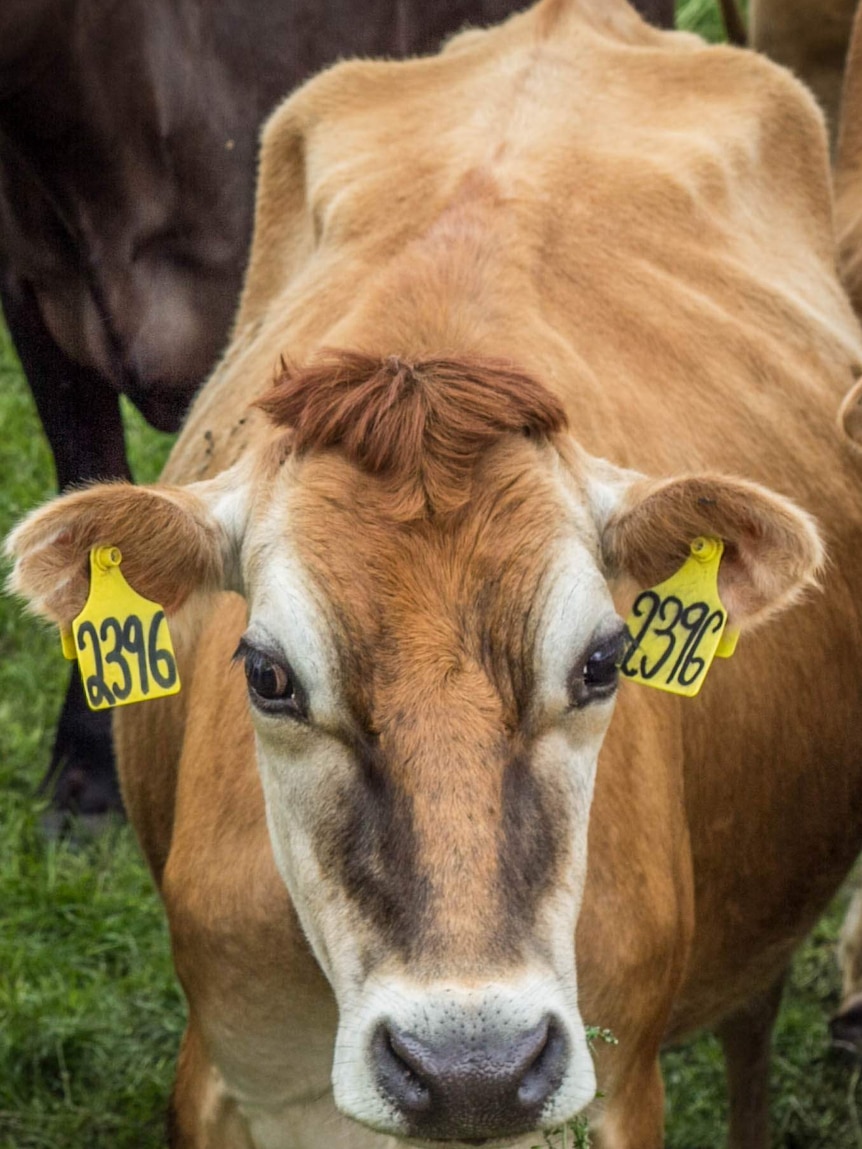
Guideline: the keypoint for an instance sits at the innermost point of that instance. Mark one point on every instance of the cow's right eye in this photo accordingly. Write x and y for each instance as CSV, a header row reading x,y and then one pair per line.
x,y
268,680
272,685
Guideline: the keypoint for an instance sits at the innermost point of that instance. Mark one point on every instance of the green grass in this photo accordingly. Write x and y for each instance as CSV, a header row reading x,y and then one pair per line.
x,y
90,1014
813,1103
701,16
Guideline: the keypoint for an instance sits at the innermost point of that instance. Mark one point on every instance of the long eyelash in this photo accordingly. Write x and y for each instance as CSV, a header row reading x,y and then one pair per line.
x,y
242,651
621,642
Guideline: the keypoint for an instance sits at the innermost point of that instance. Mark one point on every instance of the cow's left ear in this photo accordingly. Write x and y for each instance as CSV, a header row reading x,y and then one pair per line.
x,y
772,549
173,540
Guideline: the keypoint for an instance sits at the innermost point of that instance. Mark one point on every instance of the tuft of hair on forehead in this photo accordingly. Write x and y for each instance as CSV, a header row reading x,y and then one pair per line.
x,y
420,425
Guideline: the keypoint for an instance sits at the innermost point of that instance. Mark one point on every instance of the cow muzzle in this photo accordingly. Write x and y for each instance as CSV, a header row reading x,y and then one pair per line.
x,y
494,1088
458,1064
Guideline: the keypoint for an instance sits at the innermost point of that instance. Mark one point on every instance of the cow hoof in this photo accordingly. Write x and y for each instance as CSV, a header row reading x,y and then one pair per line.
x,y
77,828
846,1027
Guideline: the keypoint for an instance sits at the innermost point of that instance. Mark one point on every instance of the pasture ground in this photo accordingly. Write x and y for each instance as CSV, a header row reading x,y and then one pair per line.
x,y
90,1014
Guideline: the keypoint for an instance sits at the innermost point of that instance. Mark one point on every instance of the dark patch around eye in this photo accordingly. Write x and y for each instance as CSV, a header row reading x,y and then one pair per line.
x,y
366,837
533,826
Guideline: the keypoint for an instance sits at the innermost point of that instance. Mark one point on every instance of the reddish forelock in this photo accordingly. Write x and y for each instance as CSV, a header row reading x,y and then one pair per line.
x,y
421,425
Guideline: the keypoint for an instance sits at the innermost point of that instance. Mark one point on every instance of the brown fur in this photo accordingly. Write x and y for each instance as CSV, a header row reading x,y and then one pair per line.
x,y
422,425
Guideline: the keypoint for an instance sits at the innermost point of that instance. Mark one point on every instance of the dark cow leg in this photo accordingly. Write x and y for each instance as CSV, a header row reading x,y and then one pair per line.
x,y
746,1038
661,13
80,412
81,417
82,777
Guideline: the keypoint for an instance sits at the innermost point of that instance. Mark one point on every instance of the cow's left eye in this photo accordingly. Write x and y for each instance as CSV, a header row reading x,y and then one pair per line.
x,y
599,674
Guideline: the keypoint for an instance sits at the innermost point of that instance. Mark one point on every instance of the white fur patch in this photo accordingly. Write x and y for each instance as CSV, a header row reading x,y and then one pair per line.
x,y
455,1013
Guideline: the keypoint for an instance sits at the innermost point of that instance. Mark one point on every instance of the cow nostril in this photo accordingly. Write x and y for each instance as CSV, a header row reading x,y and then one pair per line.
x,y
545,1071
399,1072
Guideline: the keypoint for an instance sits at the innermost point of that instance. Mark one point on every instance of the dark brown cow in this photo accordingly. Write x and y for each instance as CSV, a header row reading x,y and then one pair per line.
x,y
810,37
128,135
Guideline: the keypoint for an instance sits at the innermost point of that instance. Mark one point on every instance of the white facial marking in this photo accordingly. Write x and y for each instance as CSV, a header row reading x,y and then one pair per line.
x,y
578,609
296,759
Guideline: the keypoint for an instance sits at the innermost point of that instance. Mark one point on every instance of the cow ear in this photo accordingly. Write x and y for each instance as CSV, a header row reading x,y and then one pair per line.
x,y
173,540
772,549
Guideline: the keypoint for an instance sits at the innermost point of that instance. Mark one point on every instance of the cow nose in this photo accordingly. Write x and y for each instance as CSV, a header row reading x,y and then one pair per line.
x,y
464,1090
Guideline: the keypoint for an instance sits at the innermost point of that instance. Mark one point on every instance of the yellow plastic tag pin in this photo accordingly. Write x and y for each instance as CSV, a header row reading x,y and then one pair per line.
x,y
678,627
121,639
67,642
729,642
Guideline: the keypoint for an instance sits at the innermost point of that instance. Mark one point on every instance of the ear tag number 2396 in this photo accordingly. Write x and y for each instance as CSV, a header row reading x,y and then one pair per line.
x,y
120,639
678,627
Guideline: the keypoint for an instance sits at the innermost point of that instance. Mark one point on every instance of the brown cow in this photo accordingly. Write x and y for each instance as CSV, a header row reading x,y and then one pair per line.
x,y
569,240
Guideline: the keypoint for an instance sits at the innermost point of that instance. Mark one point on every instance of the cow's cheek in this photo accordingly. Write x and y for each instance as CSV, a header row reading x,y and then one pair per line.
x,y
564,762
303,772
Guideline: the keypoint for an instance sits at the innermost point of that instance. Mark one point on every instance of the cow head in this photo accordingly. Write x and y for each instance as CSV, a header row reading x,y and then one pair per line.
x,y
431,664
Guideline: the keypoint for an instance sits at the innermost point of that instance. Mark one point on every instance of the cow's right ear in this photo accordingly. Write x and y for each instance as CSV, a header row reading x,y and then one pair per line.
x,y
174,541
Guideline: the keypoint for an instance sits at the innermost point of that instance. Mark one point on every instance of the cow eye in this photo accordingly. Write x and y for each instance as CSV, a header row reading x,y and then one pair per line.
x,y
598,676
272,685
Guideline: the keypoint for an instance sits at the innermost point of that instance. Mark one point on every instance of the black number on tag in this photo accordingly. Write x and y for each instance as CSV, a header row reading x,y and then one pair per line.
x,y
115,656
133,640
95,685
681,627
162,664
112,645
692,666
646,605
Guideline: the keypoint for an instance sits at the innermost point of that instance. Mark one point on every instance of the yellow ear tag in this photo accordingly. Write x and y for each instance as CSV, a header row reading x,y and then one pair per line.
x,y
121,640
678,627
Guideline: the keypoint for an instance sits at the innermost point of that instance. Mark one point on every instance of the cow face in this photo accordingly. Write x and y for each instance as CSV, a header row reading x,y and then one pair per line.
x,y
429,700
430,661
